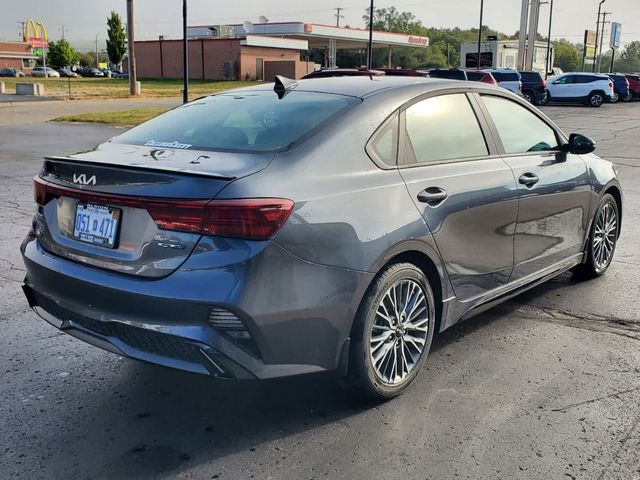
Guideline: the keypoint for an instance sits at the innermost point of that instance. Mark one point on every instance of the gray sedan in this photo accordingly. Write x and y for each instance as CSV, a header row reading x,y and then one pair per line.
x,y
325,224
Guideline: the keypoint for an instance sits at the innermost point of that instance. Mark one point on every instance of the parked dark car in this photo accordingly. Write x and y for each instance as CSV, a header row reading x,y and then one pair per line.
x,y
11,72
448,73
270,231
620,88
116,74
534,87
344,72
91,72
634,84
481,76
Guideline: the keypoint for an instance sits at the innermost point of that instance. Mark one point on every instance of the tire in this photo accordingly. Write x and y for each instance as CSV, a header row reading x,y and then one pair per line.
x,y
595,265
545,100
382,380
596,99
529,96
615,97
628,97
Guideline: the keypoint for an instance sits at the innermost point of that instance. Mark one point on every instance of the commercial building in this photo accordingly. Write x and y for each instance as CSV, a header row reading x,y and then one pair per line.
x,y
259,51
18,55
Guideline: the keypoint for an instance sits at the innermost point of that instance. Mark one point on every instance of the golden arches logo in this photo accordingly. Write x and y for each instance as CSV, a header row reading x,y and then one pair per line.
x,y
36,34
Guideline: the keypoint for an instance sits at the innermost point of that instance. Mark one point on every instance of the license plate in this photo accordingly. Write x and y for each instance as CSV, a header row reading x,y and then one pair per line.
x,y
96,224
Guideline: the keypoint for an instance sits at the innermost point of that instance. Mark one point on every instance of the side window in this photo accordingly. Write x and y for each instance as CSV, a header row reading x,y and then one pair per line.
x,y
564,80
384,144
442,128
519,129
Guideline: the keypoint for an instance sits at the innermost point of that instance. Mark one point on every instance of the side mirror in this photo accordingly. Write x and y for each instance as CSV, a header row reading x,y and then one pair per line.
x,y
580,144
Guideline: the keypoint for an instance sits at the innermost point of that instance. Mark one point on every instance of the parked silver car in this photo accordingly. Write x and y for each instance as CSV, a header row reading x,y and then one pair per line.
x,y
325,224
44,72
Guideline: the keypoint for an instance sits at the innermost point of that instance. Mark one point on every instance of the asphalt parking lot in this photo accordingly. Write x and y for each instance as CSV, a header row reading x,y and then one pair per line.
x,y
544,387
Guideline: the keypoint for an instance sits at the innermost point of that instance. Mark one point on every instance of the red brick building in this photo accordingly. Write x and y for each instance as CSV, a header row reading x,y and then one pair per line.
x,y
250,57
18,55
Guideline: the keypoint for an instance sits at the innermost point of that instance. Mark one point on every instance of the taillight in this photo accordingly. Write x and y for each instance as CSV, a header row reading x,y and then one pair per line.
x,y
544,83
248,218
610,84
254,218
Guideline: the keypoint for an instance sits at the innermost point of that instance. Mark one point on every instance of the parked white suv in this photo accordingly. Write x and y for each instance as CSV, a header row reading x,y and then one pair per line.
x,y
578,87
40,72
509,79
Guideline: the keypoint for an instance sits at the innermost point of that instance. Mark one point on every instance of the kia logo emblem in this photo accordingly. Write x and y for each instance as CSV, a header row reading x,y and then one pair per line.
x,y
82,179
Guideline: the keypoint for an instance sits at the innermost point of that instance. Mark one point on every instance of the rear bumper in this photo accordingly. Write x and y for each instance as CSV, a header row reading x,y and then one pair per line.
x,y
298,314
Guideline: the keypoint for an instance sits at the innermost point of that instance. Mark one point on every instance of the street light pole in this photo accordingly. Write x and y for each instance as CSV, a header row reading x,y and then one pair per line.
x,y
604,18
595,50
480,32
370,50
185,54
546,70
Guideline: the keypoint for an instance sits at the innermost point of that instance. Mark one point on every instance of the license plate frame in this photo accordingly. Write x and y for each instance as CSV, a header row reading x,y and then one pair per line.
x,y
89,236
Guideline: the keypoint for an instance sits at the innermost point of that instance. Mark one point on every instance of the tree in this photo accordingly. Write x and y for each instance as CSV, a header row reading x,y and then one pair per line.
x,y
629,59
62,54
116,38
567,56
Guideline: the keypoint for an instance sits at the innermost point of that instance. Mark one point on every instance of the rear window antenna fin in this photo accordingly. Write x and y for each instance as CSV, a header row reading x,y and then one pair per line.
x,y
283,85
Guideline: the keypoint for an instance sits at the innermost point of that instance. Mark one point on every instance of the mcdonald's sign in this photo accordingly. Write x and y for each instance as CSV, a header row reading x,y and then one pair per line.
x,y
36,34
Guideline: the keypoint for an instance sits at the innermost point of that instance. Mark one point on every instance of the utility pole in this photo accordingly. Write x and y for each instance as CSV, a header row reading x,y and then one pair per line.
x,y
97,62
548,59
338,15
522,35
131,50
480,32
604,17
62,31
185,54
534,13
595,50
370,49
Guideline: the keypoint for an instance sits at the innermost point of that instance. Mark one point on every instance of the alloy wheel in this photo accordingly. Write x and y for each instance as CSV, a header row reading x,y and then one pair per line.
x,y
605,235
399,331
615,97
596,100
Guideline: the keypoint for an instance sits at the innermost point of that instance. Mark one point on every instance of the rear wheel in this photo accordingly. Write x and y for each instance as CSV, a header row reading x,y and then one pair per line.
x,y
602,239
615,97
528,96
596,99
545,99
392,332
628,97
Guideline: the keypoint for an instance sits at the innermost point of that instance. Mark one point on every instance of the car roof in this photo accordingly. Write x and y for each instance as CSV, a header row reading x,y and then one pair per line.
x,y
365,86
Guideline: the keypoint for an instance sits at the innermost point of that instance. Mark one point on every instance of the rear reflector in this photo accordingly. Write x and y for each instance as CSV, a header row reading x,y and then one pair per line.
x,y
248,218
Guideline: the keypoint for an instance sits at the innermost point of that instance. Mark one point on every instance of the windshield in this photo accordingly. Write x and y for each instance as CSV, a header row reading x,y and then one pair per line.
x,y
252,121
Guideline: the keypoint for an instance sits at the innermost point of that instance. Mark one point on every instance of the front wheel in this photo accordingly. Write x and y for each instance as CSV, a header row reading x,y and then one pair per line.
x,y
392,332
602,239
596,99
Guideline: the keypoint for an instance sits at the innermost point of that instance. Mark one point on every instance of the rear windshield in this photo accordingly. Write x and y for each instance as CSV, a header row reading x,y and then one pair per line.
x,y
252,121
531,77
505,76
475,76
452,74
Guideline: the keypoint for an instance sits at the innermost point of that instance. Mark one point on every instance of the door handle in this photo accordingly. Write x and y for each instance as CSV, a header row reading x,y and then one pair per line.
x,y
432,196
528,179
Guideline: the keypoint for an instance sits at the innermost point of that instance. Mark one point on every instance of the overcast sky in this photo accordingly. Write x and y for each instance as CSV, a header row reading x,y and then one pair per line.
x,y
83,19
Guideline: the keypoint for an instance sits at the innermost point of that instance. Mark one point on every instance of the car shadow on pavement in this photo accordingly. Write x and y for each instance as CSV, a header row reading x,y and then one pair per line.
x,y
158,421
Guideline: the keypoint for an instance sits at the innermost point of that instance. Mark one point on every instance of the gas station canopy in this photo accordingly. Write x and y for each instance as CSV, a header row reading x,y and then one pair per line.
x,y
317,36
